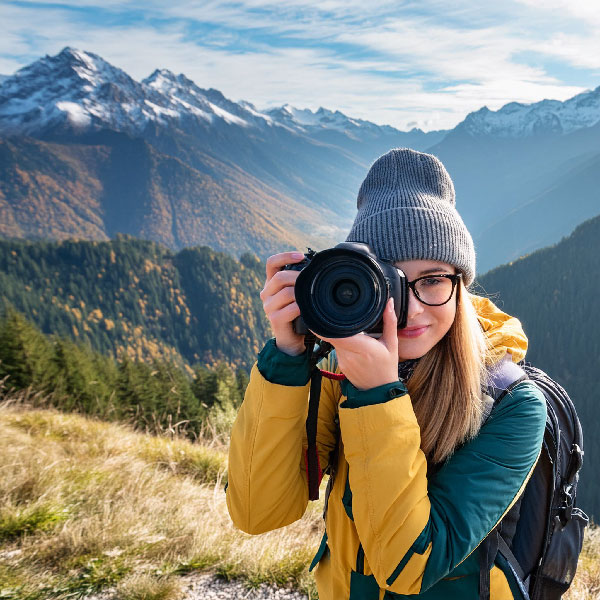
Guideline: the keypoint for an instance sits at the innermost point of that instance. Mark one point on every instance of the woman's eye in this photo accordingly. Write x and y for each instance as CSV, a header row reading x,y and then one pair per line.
x,y
431,281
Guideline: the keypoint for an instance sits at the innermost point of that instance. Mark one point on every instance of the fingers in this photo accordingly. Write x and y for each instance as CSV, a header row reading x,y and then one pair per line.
x,y
282,298
390,328
278,261
284,316
280,280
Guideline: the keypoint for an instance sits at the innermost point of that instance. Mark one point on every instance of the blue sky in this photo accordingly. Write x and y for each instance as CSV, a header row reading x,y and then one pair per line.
x,y
426,63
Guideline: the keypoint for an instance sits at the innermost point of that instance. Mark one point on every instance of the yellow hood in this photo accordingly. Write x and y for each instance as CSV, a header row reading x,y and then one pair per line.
x,y
504,333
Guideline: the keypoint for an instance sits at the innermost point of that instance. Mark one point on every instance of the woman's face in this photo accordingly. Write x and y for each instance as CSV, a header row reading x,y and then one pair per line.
x,y
425,325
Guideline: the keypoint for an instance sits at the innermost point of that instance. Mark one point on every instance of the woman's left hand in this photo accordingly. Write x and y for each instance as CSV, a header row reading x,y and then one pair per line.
x,y
368,362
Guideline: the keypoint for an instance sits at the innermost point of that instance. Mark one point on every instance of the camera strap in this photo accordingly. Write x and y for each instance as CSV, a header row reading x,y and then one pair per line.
x,y
313,467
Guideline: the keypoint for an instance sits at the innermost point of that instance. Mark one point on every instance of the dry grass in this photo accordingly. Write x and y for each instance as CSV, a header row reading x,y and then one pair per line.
x,y
142,586
87,505
586,585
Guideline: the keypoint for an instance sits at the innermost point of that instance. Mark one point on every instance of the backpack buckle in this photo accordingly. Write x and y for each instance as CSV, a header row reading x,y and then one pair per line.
x,y
575,462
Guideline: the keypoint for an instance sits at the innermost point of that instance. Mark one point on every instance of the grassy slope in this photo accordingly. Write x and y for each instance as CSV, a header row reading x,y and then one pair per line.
x,y
86,505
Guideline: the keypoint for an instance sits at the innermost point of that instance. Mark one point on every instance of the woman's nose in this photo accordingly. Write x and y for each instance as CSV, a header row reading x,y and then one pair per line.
x,y
415,307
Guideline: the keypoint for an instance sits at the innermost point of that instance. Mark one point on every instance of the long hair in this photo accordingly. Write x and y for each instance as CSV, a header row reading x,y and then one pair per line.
x,y
445,387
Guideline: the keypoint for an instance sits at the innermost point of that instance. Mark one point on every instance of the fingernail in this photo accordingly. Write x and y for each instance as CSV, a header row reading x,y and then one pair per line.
x,y
391,306
297,255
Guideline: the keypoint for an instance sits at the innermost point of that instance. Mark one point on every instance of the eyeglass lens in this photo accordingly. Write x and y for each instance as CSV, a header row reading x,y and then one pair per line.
x,y
433,290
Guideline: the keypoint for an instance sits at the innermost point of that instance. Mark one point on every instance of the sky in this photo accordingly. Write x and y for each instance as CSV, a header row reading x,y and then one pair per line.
x,y
425,63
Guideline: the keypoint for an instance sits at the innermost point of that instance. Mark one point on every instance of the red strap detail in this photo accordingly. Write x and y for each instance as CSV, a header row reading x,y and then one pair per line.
x,y
335,376
318,465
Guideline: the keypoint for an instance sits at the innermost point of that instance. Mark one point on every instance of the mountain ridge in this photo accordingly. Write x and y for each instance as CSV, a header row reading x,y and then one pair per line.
x,y
312,160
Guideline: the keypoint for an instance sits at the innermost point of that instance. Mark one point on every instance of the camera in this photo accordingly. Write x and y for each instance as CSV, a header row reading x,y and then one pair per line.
x,y
344,290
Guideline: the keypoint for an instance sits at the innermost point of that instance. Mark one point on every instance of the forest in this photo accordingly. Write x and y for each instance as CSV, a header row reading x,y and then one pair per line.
x,y
554,292
155,396
134,298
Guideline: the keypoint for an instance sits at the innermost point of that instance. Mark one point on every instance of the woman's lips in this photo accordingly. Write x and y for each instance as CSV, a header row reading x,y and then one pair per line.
x,y
412,332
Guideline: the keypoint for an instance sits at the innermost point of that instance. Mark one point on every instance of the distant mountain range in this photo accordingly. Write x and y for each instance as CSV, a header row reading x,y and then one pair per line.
x,y
246,180
87,151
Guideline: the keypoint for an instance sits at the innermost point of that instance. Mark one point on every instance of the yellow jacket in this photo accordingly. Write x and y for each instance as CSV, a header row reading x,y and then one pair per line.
x,y
390,530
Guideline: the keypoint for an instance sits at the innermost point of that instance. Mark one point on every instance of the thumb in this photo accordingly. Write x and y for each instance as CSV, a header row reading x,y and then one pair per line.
x,y
390,327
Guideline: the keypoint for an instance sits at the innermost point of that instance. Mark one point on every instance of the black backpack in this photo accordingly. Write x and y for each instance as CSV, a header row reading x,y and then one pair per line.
x,y
542,535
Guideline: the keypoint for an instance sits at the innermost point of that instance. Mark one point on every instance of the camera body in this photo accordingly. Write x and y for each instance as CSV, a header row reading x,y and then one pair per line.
x,y
344,290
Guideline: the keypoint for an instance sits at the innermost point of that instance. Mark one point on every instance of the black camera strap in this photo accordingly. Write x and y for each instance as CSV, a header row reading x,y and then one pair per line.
x,y
313,468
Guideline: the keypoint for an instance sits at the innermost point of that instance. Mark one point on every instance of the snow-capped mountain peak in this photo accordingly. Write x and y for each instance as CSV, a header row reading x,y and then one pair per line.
x,y
73,88
79,91
515,119
304,119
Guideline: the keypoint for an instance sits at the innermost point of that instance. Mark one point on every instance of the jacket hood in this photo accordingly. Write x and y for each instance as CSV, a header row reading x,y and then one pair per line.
x,y
504,333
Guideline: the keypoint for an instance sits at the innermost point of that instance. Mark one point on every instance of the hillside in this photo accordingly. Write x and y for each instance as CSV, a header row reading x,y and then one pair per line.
x,y
554,292
109,183
134,298
87,507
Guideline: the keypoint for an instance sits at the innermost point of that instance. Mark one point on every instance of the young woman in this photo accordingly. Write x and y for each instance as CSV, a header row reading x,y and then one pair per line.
x,y
421,476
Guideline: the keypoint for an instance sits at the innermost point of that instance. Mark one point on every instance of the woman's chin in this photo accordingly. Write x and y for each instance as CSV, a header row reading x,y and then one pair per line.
x,y
411,350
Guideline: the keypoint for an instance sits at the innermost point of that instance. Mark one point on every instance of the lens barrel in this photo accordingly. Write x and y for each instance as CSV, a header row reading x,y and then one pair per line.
x,y
344,290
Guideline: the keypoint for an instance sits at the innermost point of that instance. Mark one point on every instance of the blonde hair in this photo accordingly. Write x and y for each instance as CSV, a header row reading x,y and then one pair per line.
x,y
445,387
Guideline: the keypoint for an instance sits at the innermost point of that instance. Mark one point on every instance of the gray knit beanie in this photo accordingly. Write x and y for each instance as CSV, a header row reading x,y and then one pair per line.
x,y
406,211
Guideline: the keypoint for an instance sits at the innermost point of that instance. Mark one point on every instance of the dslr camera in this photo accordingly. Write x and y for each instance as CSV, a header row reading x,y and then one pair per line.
x,y
344,290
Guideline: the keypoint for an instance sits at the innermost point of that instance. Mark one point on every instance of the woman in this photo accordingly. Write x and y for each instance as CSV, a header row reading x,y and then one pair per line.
x,y
411,399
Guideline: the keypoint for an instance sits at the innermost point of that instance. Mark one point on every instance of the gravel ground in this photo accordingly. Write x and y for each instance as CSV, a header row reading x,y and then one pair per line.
x,y
209,587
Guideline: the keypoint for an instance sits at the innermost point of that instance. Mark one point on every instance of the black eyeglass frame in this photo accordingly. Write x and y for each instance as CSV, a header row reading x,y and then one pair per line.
x,y
454,277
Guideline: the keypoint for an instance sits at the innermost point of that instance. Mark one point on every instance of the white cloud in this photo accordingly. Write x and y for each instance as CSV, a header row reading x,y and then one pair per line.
x,y
401,63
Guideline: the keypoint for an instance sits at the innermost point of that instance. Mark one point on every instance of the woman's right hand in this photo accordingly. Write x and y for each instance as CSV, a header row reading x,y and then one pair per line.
x,y
279,302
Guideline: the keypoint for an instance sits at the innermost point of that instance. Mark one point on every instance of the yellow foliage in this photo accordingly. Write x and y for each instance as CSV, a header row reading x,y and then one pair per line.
x,y
109,324
95,315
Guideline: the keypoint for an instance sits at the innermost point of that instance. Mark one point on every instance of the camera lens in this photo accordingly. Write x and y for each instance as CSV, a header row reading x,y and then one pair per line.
x,y
346,292
343,295
343,291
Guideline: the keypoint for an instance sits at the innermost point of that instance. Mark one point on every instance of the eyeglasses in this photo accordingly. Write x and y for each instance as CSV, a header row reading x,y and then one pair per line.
x,y
434,290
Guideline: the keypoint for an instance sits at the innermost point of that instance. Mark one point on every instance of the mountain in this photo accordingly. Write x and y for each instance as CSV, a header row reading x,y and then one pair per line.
x,y
516,120
554,292
265,180
315,170
510,173
106,183
567,201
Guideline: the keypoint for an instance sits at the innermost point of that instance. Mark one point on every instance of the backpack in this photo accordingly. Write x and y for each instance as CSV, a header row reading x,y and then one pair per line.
x,y
540,546
541,536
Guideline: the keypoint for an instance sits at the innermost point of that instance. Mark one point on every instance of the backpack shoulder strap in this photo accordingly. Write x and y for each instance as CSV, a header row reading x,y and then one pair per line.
x,y
503,377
